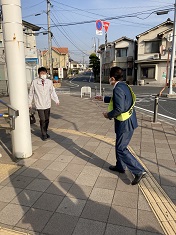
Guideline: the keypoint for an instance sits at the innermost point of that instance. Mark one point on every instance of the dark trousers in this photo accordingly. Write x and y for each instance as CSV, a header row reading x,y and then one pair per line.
x,y
44,115
123,156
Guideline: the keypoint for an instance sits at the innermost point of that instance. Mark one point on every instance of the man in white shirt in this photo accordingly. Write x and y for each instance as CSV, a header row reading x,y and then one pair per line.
x,y
42,90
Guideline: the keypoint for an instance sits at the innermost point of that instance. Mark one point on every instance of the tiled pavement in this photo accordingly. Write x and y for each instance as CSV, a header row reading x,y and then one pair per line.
x,y
65,187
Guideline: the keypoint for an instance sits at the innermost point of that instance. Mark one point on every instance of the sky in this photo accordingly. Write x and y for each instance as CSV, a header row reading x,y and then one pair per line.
x,y
73,23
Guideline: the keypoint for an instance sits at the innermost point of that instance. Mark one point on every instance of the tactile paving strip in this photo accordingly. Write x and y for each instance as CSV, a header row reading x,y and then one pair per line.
x,y
161,205
4,231
6,170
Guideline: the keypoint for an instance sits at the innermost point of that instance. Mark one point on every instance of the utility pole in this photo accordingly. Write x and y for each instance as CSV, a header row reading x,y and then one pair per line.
x,y
15,60
172,62
83,62
95,46
49,40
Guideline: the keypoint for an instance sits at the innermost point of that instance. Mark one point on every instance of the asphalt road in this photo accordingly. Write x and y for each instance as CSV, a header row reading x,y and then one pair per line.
x,y
145,95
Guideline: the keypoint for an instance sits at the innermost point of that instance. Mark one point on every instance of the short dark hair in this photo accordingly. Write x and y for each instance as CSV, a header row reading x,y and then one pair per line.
x,y
42,69
117,73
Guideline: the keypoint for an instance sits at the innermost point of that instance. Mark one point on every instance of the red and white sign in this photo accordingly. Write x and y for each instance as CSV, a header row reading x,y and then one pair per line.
x,y
106,25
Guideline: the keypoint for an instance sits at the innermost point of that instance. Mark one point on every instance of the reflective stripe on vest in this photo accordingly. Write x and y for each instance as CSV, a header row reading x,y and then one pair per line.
x,y
124,116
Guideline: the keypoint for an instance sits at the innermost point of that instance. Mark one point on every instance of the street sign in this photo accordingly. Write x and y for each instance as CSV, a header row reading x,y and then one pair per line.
x,y
29,60
60,73
106,25
99,25
99,32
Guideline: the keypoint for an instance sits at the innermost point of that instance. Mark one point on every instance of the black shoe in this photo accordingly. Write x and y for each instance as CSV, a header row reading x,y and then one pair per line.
x,y
44,138
48,136
114,168
137,178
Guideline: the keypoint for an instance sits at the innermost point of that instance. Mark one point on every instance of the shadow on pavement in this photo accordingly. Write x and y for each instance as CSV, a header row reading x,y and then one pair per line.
x,y
62,207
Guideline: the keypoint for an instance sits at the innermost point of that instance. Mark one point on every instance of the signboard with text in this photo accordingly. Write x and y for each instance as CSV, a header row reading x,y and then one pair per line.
x,y
60,73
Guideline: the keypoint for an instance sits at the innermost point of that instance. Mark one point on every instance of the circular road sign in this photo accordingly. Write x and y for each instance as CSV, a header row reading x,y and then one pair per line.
x,y
99,25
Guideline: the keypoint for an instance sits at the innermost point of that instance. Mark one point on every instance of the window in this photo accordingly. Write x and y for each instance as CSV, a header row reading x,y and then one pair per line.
x,y
152,47
148,72
121,52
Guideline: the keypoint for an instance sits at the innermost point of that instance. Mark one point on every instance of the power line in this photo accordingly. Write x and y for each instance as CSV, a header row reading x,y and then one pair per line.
x,y
36,14
76,8
34,5
69,30
114,18
69,39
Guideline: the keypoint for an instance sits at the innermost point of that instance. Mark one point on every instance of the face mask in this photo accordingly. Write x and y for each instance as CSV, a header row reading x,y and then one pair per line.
x,y
43,76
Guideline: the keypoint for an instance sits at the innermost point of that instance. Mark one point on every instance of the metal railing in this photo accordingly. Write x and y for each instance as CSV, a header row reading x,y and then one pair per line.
x,y
10,116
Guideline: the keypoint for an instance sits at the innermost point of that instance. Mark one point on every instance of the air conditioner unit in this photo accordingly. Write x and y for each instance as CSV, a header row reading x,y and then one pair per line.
x,y
156,56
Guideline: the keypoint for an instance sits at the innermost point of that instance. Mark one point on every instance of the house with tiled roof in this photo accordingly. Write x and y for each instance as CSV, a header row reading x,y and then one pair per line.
x,y
60,59
154,47
120,52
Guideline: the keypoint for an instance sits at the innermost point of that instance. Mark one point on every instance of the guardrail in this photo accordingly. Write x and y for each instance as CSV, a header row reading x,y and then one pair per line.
x,y
10,116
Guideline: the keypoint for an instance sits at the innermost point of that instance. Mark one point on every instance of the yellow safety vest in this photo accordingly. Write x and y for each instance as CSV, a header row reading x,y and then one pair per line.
x,y
124,116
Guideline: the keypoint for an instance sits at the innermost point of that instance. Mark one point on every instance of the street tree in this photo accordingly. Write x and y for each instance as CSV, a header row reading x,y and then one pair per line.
x,y
94,63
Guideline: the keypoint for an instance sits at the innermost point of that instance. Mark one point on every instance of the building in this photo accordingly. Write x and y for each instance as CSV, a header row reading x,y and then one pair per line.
x,y
31,53
120,52
75,67
60,58
153,54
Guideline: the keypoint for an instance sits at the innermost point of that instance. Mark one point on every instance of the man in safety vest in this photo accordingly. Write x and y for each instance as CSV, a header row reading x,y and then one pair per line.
x,y
121,108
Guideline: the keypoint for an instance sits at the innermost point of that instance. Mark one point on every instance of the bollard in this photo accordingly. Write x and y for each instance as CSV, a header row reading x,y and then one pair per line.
x,y
95,90
156,108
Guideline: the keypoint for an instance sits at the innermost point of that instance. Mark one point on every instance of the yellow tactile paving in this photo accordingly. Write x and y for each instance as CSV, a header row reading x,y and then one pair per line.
x,y
4,231
6,170
161,205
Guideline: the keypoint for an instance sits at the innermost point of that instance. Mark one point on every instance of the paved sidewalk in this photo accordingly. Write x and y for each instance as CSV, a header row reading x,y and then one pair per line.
x,y
66,188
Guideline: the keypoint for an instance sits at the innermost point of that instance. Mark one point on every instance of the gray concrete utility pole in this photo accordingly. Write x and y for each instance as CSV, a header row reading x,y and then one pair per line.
x,y
49,40
15,60
172,63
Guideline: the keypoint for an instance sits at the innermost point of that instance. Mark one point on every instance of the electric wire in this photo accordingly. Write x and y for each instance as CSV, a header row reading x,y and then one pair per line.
x,y
69,30
132,15
64,34
59,3
108,18
36,14
131,22
34,5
